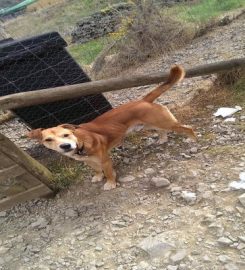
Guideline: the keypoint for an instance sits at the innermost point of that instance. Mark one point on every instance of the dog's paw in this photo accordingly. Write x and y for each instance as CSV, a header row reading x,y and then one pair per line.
x,y
110,185
194,137
97,178
163,138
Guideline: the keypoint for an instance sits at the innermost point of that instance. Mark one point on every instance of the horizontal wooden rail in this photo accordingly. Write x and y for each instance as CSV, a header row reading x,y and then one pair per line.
x,y
77,90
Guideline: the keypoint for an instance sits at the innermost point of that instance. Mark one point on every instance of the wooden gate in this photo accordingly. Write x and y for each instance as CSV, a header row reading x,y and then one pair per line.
x,y
21,177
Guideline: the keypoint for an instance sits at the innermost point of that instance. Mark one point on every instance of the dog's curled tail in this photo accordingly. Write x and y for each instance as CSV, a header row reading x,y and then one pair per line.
x,y
177,73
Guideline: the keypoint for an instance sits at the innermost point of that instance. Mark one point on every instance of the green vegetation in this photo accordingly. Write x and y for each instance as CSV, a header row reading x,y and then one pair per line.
x,y
87,52
239,90
228,90
234,83
63,16
206,9
219,150
200,13
66,172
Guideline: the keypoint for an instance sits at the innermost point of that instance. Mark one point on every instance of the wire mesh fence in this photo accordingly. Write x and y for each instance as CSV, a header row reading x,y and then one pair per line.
x,y
42,62
109,52
136,29
142,32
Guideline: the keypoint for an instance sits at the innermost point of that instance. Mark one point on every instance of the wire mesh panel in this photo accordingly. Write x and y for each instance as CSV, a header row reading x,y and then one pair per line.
x,y
43,62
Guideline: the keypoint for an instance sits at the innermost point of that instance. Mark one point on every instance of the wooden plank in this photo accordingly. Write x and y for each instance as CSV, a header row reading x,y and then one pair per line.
x,y
25,161
5,162
12,172
27,180
77,90
12,190
32,193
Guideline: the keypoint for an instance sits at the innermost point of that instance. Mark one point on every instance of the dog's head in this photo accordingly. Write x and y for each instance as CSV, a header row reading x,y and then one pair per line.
x,y
60,138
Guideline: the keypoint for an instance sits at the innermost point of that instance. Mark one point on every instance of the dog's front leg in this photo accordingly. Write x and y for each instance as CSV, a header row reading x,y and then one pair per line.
x,y
96,165
109,172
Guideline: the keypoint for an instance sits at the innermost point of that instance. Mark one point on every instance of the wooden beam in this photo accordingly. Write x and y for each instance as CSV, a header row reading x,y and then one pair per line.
x,y
25,161
32,193
6,116
77,90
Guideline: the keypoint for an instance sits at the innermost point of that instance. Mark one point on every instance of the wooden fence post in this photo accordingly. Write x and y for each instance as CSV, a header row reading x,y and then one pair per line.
x,y
77,90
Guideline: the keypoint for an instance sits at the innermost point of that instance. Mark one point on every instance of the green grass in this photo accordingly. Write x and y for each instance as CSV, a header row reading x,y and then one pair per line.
x,y
64,16
195,13
239,91
66,172
87,52
234,82
207,9
222,149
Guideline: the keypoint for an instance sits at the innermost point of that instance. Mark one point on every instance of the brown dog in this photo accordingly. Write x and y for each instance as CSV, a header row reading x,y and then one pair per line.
x,y
91,142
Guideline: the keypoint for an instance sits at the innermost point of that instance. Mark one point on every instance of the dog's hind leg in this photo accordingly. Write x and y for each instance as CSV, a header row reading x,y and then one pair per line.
x,y
163,137
163,134
161,118
184,129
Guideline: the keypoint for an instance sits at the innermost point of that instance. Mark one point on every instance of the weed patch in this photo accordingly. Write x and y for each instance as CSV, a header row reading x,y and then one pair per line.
x,y
66,172
228,90
234,83
221,150
144,34
149,31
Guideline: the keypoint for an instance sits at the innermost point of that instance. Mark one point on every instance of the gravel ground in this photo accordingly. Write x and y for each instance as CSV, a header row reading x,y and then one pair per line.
x,y
173,209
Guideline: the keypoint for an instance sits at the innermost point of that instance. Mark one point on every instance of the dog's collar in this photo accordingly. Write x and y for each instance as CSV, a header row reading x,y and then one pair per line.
x,y
80,151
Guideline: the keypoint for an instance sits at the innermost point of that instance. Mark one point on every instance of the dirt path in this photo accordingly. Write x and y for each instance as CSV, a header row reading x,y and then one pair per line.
x,y
138,226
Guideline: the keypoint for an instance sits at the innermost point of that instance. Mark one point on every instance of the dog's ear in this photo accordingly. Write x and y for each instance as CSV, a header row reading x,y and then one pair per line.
x,y
69,126
35,134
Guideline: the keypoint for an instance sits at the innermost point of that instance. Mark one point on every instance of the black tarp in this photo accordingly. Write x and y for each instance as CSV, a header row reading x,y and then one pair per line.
x,y
42,62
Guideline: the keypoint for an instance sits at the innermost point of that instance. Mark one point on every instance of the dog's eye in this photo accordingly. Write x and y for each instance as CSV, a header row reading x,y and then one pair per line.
x,y
48,140
66,135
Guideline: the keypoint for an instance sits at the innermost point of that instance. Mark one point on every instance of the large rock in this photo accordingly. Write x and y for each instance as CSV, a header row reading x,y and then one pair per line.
x,y
178,256
107,21
188,196
231,266
100,23
3,250
126,179
40,223
156,246
242,199
224,241
160,182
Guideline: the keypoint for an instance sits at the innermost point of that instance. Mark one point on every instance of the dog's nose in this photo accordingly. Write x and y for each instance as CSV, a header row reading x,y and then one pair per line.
x,y
65,146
